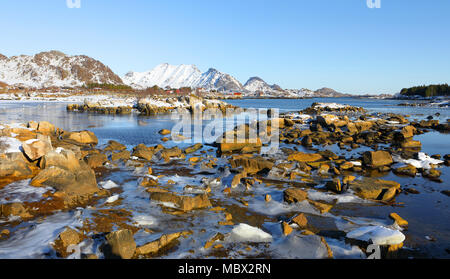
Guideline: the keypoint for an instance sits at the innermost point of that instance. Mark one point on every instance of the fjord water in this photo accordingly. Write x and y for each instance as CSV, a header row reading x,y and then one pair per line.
x,y
427,213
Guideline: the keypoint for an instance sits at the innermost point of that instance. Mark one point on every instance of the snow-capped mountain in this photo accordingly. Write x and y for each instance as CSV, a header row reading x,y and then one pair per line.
x,y
256,84
213,79
54,68
163,75
177,76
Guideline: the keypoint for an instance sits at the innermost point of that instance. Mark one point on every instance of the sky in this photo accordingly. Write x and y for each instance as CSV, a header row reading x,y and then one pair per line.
x,y
341,44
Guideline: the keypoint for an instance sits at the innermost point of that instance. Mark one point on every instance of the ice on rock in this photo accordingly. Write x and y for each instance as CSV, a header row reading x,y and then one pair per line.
x,y
112,199
423,161
342,250
12,144
145,220
34,240
247,233
108,184
378,235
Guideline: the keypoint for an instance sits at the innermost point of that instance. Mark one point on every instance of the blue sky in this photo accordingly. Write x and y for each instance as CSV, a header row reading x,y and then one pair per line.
x,y
300,43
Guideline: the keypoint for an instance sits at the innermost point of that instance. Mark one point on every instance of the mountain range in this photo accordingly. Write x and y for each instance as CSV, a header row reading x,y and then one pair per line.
x,y
56,69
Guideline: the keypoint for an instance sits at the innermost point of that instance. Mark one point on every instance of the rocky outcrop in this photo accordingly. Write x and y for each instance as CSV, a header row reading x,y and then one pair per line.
x,y
73,179
35,149
14,166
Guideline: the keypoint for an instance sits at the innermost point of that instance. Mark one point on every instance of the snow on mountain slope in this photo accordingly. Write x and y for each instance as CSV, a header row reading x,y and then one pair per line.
x,y
257,84
174,76
213,79
54,68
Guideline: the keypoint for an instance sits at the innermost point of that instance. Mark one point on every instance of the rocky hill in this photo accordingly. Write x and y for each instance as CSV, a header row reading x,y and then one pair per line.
x,y
54,68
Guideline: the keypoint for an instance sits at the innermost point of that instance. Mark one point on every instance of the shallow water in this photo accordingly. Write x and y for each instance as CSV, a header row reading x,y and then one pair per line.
x,y
428,212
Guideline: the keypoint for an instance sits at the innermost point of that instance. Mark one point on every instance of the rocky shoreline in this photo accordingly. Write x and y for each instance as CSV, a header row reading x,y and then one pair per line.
x,y
303,176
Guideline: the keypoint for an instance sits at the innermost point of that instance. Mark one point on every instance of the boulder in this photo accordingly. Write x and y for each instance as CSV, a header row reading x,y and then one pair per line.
x,y
251,165
185,203
167,154
300,220
95,160
246,146
121,155
45,127
164,132
143,152
115,146
408,131
293,195
61,158
157,245
237,179
121,244
376,159
69,237
375,189
408,170
364,125
83,137
14,166
334,185
287,230
194,148
409,143
15,209
35,149
74,180
304,157
399,220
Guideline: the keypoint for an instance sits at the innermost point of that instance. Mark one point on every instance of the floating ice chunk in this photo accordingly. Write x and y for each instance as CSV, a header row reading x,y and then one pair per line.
x,y
348,197
378,235
346,224
300,247
423,161
247,233
274,207
342,250
112,199
108,184
145,220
